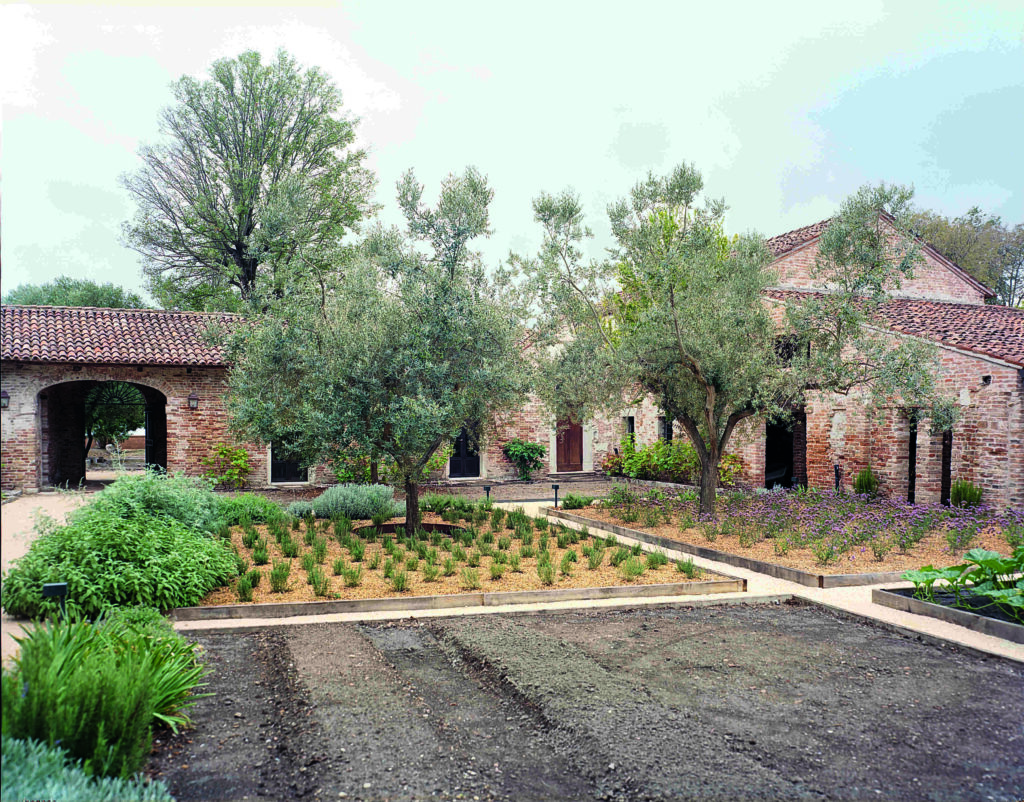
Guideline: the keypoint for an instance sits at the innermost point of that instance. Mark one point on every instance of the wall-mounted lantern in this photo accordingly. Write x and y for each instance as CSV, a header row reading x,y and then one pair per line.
x,y
193,401
5,399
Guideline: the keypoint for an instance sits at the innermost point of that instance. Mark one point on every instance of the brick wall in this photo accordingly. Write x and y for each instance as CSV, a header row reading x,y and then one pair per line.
x,y
932,280
42,428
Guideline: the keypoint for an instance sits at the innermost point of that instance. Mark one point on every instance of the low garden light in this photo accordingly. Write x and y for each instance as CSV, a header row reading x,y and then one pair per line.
x,y
555,488
487,490
193,401
57,590
5,399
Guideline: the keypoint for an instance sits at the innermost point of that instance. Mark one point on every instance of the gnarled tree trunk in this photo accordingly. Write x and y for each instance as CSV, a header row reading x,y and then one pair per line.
x,y
412,506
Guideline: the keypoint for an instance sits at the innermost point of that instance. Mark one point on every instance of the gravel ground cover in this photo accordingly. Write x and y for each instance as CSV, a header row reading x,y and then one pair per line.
x,y
442,565
712,703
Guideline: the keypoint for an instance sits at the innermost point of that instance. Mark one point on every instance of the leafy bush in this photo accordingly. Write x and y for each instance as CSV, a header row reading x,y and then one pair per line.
x,y
185,499
964,494
666,461
865,484
96,688
574,502
227,466
984,573
249,506
299,509
33,770
527,457
114,554
356,502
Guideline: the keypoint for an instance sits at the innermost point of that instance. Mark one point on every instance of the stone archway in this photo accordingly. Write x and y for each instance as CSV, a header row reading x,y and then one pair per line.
x,y
62,427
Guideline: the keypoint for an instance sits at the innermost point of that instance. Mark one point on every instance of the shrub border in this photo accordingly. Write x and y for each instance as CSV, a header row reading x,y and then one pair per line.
x,y
951,615
771,569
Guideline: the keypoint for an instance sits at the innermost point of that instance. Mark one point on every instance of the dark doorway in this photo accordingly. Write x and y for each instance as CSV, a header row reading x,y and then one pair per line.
x,y
785,452
569,447
912,462
465,461
286,470
947,466
68,414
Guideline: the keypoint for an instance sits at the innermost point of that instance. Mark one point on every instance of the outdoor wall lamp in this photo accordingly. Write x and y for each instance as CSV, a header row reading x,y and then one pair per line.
x,y
193,401
555,488
487,490
5,399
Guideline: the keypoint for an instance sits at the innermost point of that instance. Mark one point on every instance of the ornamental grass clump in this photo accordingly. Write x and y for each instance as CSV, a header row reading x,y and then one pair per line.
x,y
399,581
260,552
656,559
338,566
546,573
430,572
631,568
688,568
448,566
469,579
497,571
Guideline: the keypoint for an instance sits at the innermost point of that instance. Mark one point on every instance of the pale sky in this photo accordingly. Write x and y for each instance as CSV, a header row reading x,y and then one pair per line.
x,y
785,107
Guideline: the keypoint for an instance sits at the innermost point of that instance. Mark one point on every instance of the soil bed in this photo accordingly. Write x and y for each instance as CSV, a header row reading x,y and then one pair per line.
x,y
727,702
374,585
931,550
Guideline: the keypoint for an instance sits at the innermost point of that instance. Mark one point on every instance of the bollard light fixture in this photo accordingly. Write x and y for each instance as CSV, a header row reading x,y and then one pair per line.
x,y
487,490
57,590
193,401
555,488
5,399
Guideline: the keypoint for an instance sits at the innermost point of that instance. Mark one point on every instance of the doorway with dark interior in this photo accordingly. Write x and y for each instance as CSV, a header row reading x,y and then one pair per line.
x,y
785,451
465,459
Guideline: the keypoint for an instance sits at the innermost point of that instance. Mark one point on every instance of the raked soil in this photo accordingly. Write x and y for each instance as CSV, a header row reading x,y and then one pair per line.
x,y
712,703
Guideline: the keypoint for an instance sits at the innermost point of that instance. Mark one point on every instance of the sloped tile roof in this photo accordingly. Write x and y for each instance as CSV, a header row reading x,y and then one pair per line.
x,y
784,243
109,336
996,331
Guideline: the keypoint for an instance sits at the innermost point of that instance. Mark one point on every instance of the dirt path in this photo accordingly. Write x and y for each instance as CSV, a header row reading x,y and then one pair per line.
x,y
783,702
17,519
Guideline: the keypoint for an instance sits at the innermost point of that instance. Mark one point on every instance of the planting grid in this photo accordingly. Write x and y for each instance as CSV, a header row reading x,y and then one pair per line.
x,y
727,702
374,584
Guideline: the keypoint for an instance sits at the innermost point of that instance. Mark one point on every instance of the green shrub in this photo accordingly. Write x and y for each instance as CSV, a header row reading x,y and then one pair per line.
x,y
470,579
96,688
546,573
259,510
279,576
185,499
33,770
115,558
356,502
688,568
255,575
527,457
575,502
866,484
631,568
244,589
964,494
227,466
298,510
399,581
260,554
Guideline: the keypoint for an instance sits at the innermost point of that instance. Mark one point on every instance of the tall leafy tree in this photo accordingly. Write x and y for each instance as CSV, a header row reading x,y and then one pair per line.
x,y
67,291
680,314
396,349
257,177
980,243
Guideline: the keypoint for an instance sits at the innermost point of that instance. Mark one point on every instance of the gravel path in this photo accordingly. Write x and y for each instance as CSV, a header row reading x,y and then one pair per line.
x,y
736,702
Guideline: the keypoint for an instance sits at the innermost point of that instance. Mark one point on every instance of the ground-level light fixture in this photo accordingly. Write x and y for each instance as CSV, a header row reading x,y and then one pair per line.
x,y
57,590
555,488
487,490
193,401
5,399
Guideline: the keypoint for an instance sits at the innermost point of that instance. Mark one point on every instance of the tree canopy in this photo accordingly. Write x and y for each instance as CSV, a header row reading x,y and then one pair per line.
x,y
67,291
396,349
980,243
257,177
679,313
113,410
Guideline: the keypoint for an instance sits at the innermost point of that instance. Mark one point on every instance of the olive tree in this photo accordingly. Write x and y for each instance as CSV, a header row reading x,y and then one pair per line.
x,y
395,350
679,313
257,175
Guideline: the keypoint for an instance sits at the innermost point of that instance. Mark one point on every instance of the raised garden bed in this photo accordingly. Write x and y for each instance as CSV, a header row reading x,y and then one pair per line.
x,y
988,620
450,566
798,566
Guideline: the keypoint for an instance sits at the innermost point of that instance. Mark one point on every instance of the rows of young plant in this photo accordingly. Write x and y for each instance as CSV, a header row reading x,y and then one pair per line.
x,y
488,545
828,523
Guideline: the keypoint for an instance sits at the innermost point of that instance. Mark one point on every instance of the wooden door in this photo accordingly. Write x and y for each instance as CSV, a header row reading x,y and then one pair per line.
x,y
465,461
569,452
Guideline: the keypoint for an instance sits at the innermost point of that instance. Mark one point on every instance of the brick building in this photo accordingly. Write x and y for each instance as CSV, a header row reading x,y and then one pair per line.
x,y
981,352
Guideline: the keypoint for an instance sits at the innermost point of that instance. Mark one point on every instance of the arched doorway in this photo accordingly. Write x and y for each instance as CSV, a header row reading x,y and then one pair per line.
x,y
76,415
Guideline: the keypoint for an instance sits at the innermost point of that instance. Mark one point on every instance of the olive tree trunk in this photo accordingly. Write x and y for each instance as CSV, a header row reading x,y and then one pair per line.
x,y
412,507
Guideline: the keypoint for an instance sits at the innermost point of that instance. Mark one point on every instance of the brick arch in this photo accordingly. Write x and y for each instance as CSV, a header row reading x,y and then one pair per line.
x,y
60,425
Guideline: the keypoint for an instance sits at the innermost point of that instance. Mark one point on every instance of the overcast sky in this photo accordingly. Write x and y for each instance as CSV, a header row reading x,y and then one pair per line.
x,y
785,107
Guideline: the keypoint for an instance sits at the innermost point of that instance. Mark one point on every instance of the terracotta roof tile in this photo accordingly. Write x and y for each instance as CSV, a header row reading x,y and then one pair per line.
x,y
109,336
996,331
784,243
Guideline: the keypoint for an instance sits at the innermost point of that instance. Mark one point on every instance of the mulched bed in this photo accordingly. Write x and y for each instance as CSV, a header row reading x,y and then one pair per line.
x,y
374,585
932,550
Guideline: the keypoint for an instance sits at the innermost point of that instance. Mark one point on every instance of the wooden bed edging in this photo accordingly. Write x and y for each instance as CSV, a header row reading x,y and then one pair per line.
x,y
951,615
